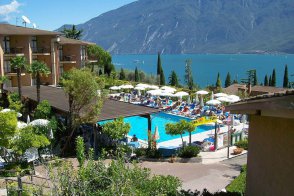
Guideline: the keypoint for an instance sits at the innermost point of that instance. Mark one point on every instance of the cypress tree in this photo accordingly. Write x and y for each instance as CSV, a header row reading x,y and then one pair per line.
x,y
159,68
286,79
122,75
188,74
270,81
162,77
266,80
228,81
218,83
137,79
255,81
274,78
173,79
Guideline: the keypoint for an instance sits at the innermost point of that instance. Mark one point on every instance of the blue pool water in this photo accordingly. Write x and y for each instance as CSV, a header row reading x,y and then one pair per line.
x,y
139,126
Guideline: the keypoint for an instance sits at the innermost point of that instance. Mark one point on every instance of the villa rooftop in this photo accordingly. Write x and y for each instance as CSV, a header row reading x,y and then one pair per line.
x,y
7,29
59,101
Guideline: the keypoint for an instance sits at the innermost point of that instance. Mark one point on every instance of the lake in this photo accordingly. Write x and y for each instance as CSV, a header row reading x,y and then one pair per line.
x,y
206,66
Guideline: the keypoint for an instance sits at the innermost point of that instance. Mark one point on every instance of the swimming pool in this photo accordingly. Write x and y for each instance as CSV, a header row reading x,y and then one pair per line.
x,y
139,126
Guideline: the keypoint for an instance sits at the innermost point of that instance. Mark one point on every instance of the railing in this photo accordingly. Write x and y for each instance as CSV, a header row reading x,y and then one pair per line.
x,y
68,58
41,50
17,50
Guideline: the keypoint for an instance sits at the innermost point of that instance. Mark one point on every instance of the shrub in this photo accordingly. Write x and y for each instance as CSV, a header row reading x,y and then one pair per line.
x,y
153,153
238,185
43,110
242,144
140,152
189,152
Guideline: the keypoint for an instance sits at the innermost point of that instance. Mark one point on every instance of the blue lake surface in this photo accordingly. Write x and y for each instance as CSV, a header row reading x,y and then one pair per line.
x,y
206,66
139,126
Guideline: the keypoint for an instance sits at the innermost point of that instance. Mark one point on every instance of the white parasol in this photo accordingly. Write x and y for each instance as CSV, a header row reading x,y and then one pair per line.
x,y
156,133
168,88
114,88
202,92
153,87
213,102
212,97
220,95
139,88
181,94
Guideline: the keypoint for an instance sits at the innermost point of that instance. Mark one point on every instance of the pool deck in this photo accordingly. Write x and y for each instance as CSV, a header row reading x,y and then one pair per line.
x,y
198,137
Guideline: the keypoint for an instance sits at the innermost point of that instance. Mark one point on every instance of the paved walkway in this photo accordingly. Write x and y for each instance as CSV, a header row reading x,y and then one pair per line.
x,y
213,177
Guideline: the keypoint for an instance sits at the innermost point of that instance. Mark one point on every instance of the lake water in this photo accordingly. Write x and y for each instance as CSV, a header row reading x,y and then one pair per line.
x,y
206,66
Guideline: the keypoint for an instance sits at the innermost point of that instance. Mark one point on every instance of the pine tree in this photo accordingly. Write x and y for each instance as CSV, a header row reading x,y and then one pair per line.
x,y
218,83
188,74
137,78
274,78
266,81
173,79
255,81
228,81
286,79
122,75
270,81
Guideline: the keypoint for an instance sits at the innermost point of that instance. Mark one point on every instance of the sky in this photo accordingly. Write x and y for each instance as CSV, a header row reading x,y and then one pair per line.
x,y
52,14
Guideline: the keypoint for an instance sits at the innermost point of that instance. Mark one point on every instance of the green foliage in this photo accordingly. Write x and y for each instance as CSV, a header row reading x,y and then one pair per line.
x,y
270,81
8,128
266,83
188,74
18,63
153,153
72,33
80,150
116,129
103,58
116,178
122,75
189,152
218,83
176,129
238,185
14,102
43,110
173,79
81,87
286,78
29,137
38,68
137,78
140,152
242,144
228,81
273,81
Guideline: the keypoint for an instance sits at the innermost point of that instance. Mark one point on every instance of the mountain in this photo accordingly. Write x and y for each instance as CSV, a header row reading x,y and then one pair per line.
x,y
195,26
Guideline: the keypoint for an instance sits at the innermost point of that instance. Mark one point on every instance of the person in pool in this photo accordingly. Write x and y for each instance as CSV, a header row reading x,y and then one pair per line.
x,y
134,139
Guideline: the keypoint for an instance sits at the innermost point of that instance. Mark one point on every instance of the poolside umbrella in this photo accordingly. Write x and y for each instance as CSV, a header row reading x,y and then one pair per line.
x,y
156,134
40,122
153,87
220,95
21,125
28,119
202,92
181,94
168,88
201,101
139,88
127,86
223,99
188,100
233,98
10,110
166,94
114,88
142,85
51,136
211,98
154,92
213,102
197,98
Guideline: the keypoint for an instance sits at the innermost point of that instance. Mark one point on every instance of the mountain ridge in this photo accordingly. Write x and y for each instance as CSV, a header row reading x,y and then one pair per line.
x,y
195,26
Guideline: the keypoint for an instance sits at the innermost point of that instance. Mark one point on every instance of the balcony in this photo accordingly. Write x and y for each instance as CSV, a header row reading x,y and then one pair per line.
x,y
12,52
68,59
12,73
41,51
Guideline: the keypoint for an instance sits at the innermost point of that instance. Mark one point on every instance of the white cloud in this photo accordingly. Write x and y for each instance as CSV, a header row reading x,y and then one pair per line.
x,y
7,9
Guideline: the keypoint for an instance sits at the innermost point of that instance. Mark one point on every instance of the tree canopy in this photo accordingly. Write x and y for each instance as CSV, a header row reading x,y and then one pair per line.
x,y
116,129
228,81
8,128
188,74
218,83
286,78
173,79
72,33
137,77
160,72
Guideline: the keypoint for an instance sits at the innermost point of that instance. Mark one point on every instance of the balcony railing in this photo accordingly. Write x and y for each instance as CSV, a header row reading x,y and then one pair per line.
x,y
68,58
41,50
17,50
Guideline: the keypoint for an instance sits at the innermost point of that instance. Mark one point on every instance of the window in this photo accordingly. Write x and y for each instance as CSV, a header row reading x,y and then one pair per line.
x,y
34,44
61,71
7,67
60,53
83,53
6,44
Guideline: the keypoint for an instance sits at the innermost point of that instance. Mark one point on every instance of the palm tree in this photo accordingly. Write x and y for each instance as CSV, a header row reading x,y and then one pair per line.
x,y
38,69
72,33
18,63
